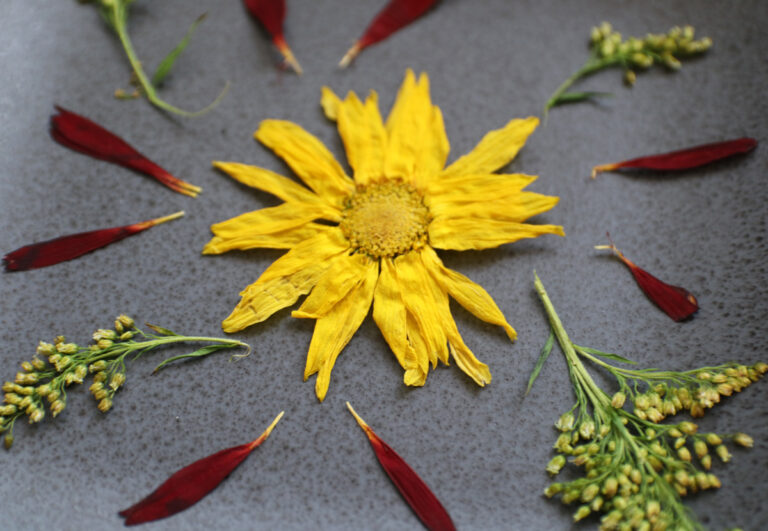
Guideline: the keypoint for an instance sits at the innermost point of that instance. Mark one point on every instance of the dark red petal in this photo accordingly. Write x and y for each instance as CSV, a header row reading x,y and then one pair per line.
x,y
50,252
395,15
684,159
414,491
192,483
271,14
81,134
676,302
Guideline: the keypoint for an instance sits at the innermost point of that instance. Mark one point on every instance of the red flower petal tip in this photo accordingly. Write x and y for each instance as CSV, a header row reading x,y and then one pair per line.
x,y
414,491
192,483
678,303
395,15
271,14
63,248
684,159
81,134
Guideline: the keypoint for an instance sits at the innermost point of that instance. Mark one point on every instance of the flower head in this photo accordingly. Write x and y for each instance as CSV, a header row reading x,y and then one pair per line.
x,y
381,227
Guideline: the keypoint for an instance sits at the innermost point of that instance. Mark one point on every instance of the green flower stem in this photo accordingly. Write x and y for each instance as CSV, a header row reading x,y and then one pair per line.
x,y
593,65
118,17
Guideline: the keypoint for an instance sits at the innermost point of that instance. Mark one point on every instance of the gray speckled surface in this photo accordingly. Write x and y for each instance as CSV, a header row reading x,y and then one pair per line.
x,y
482,450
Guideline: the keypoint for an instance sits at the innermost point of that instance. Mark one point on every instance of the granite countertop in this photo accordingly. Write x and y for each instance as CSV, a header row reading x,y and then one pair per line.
x,y
483,451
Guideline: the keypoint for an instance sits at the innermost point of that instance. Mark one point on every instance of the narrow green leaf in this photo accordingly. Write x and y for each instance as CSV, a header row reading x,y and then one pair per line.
x,y
575,97
606,355
162,331
210,349
165,65
545,352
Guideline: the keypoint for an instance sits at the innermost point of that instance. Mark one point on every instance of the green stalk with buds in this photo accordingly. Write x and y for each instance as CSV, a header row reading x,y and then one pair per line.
x,y
636,470
63,364
608,50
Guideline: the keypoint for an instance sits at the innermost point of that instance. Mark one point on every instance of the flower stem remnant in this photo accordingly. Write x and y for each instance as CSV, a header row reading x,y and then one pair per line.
x,y
636,471
115,13
608,50
60,364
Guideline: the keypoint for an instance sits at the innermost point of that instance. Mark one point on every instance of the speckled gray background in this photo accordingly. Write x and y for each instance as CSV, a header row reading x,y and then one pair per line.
x,y
482,450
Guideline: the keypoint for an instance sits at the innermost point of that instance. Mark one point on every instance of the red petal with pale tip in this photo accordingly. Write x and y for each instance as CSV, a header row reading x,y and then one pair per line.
x,y
395,15
271,14
50,252
676,302
192,483
81,134
684,159
414,491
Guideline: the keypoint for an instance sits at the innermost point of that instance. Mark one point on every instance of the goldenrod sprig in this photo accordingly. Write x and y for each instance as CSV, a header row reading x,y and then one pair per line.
x,y
115,13
63,364
608,50
636,470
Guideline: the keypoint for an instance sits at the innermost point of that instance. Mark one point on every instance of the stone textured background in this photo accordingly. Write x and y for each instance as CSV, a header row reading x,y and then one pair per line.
x,y
483,451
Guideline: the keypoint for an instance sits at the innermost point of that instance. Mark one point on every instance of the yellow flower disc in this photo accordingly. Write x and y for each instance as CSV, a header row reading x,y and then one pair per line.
x,y
385,219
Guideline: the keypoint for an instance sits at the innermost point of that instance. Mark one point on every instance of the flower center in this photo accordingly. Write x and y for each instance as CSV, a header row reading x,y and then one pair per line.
x,y
385,219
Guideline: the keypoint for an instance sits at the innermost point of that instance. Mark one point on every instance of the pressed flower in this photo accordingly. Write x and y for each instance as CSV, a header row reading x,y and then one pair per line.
x,y
684,159
395,15
63,248
414,491
377,243
81,134
675,301
192,483
271,14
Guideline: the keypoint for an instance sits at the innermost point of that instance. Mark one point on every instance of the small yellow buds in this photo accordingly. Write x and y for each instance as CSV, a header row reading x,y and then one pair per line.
x,y
742,439
553,489
555,465
104,343
722,453
66,348
105,404
618,399
689,428
8,441
46,349
126,321
581,513
684,453
565,422
117,380
700,448
57,407
103,333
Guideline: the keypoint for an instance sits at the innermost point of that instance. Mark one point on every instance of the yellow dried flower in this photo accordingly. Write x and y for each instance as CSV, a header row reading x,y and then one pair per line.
x,y
403,203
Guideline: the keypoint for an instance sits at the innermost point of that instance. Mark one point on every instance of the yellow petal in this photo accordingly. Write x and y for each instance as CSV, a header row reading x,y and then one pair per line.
x,y
495,150
390,315
285,239
464,357
308,158
330,103
418,145
346,272
289,277
272,219
420,351
336,328
417,292
460,234
270,182
364,136
479,187
470,295
518,207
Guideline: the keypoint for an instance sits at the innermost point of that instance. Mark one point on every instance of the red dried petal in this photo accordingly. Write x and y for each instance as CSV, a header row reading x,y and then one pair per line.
x,y
414,491
676,302
395,15
684,159
50,252
271,14
81,134
192,483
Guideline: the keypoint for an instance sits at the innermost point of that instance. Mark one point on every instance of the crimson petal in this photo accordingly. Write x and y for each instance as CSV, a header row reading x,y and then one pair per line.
x,y
684,159
271,14
414,491
63,248
676,302
81,134
395,15
192,483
